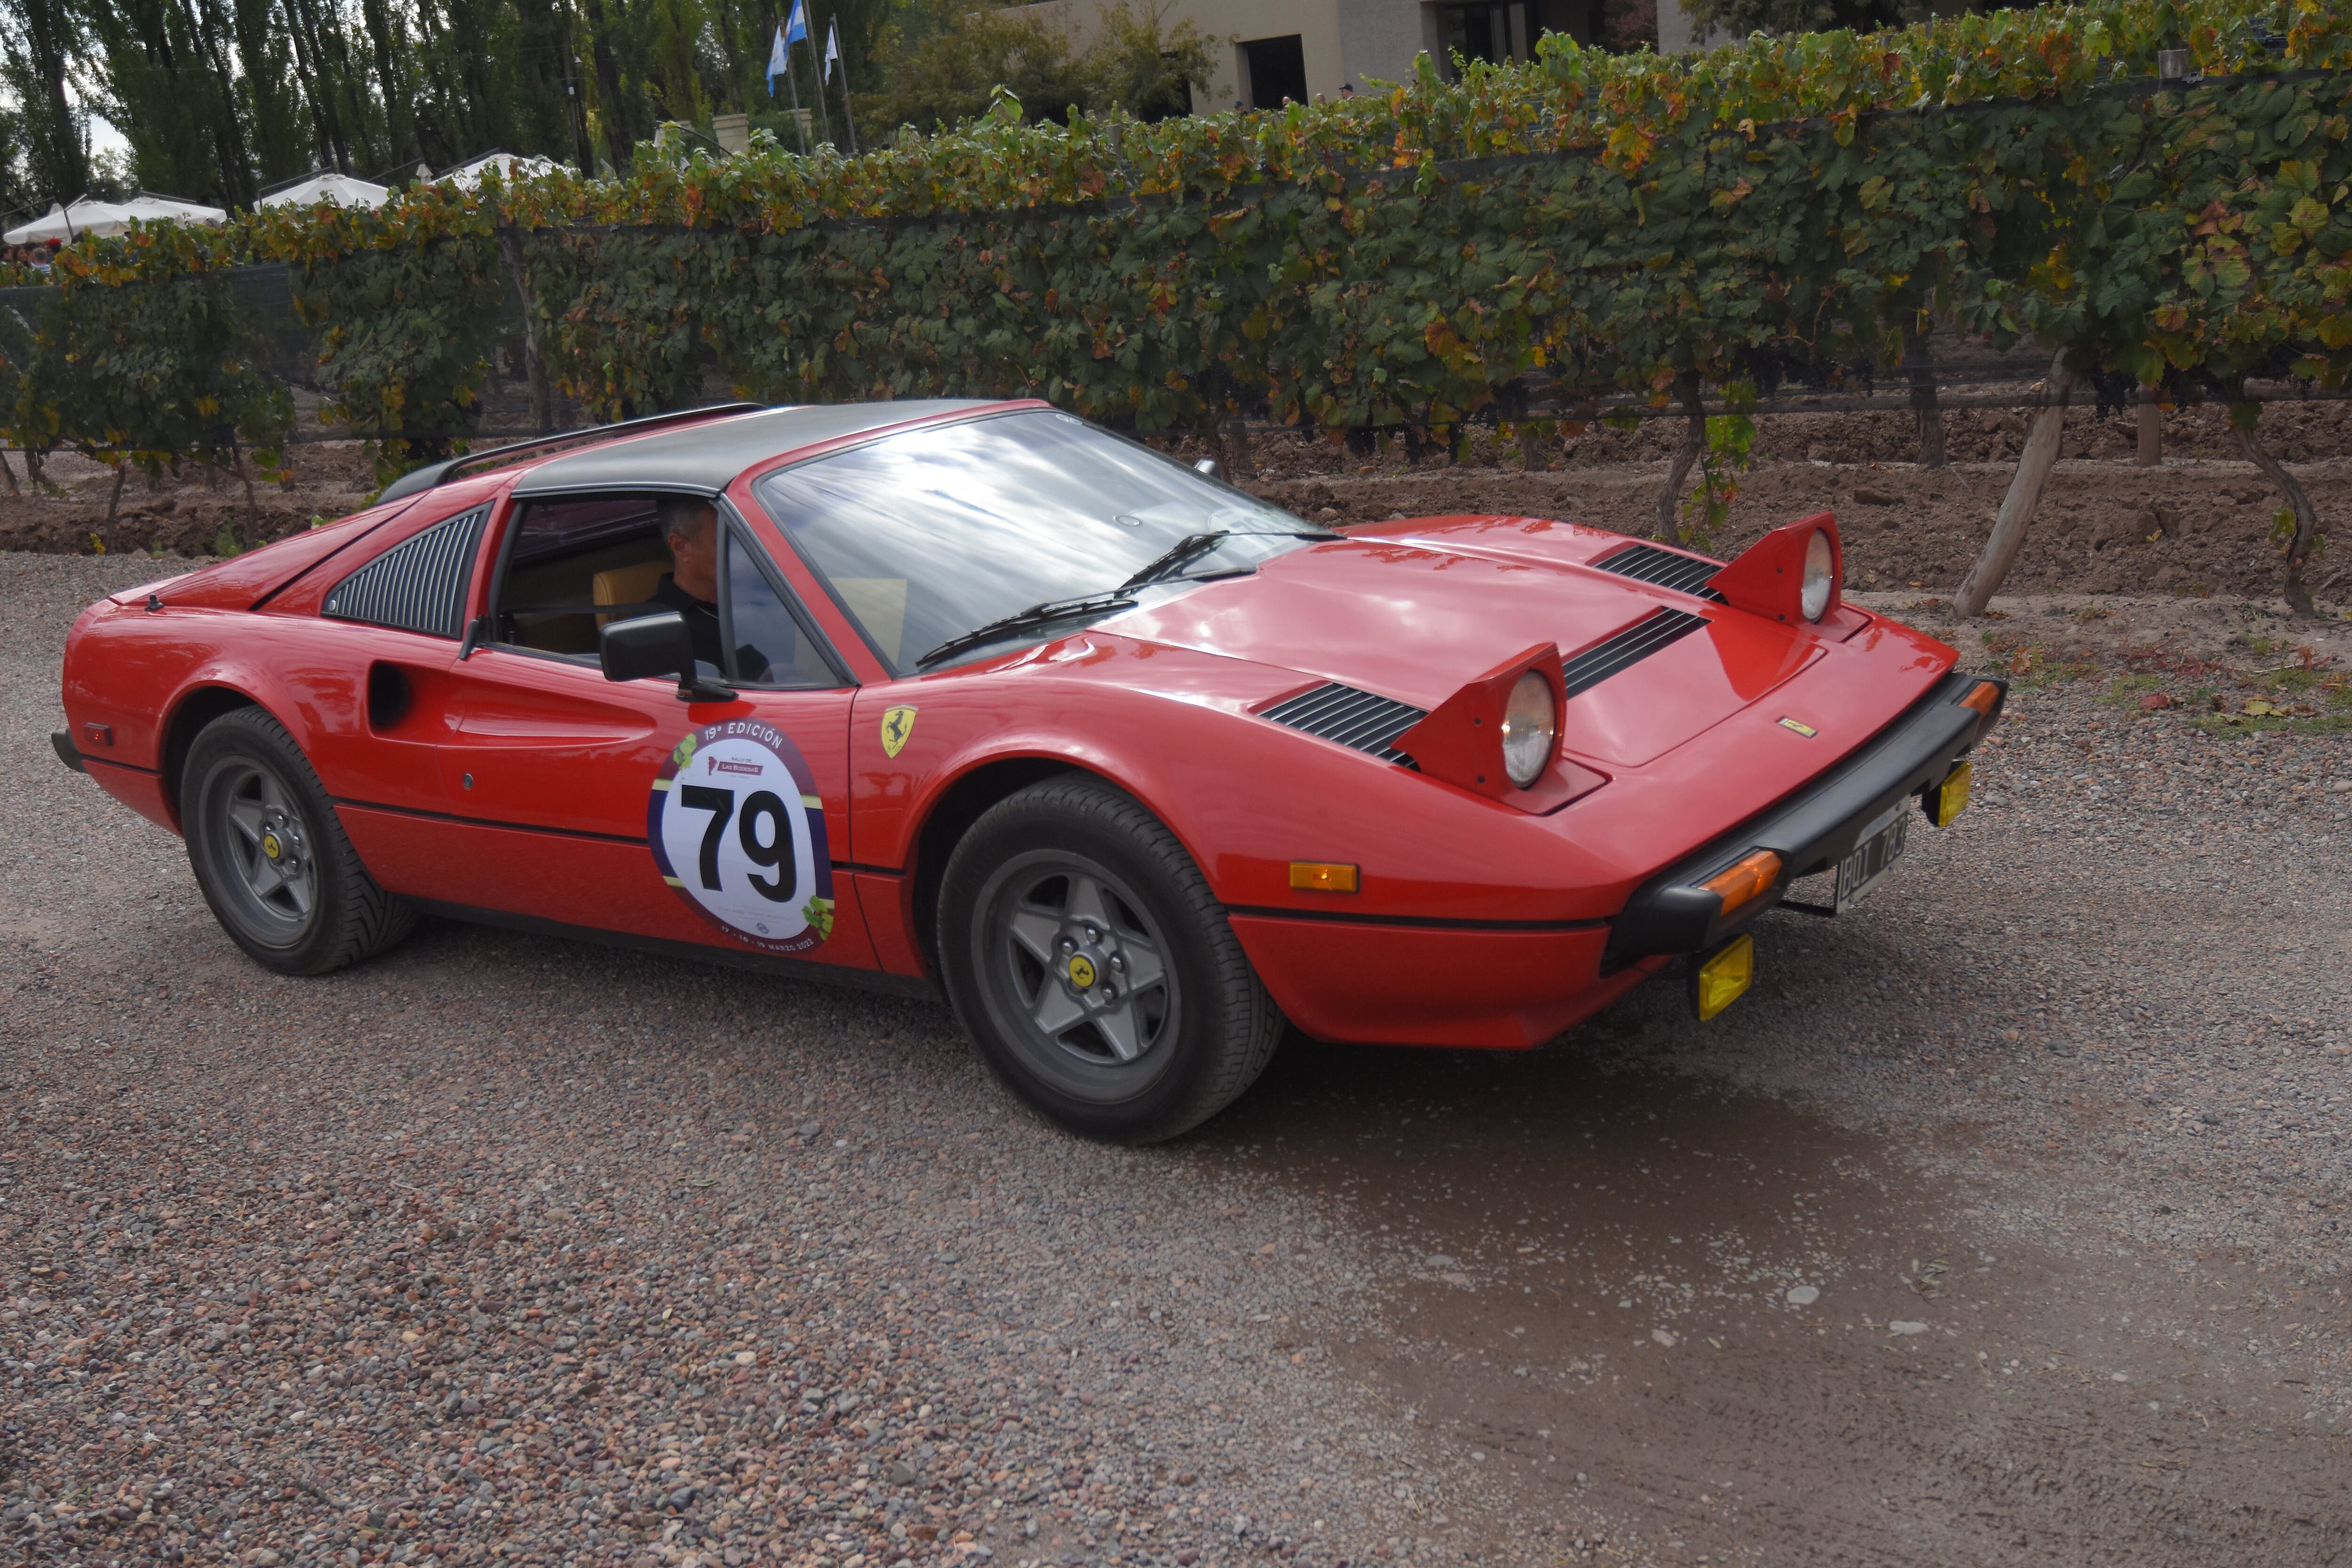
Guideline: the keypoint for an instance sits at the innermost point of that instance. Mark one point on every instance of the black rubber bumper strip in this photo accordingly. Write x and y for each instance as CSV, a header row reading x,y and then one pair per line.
x,y
68,752
1810,830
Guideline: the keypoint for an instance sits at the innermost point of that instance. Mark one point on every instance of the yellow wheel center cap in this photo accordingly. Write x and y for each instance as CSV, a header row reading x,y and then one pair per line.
x,y
269,845
1082,973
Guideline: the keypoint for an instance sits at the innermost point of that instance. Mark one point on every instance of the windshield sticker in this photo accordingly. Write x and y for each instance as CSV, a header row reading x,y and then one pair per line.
x,y
898,723
738,828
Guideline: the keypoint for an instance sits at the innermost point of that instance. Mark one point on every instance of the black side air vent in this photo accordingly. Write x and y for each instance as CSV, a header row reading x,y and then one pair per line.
x,y
1628,647
418,586
1359,719
1667,568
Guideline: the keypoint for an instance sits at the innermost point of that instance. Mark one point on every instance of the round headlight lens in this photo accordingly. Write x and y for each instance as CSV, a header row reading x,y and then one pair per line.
x,y
1820,561
1530,725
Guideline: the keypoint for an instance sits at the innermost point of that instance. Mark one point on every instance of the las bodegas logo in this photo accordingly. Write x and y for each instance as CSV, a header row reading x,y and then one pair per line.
x,y
730,765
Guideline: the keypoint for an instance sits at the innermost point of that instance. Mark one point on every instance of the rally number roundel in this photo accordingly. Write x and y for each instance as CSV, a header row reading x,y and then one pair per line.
x,y
736,827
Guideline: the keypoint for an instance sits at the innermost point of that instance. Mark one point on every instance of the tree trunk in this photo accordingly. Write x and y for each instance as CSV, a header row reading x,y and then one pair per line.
x,y
2307,520
2151,429
1920,360
1687,393
9,475
534,370
252,508
2034,465
1531,457
1239,465
36,470
114,496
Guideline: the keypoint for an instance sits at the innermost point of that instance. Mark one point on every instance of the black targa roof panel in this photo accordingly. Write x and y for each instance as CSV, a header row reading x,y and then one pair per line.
x,y
703,459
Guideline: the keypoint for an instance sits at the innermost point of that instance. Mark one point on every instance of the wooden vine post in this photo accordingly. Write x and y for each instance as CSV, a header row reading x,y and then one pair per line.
x,y
2151,428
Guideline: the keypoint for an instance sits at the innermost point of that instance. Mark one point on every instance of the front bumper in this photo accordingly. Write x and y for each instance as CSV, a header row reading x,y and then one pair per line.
x,y
1811,831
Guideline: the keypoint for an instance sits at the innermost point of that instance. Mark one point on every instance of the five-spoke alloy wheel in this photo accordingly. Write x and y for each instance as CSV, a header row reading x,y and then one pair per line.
x,y
271,857
1086,956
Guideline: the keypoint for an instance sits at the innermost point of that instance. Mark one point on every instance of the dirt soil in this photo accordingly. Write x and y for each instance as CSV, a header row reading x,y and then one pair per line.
x,y
2003,1223
2202,524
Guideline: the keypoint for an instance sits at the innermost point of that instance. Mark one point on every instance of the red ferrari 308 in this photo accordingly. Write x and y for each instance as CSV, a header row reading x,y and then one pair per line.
x,y
978,697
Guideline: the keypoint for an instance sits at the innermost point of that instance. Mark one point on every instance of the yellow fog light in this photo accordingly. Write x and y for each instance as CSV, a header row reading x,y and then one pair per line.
x,y
1726,977
1950,798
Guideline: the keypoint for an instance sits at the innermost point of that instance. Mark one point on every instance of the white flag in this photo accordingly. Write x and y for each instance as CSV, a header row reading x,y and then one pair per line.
x,y
833,50
778,62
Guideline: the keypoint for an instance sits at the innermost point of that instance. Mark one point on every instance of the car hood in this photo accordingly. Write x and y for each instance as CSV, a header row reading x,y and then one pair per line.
x,y
1414,613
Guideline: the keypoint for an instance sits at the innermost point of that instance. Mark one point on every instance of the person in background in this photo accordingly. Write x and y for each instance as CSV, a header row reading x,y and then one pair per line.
x,y
1347,91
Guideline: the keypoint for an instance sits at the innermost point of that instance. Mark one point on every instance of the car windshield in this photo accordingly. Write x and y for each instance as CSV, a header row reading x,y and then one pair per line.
x,y
927,535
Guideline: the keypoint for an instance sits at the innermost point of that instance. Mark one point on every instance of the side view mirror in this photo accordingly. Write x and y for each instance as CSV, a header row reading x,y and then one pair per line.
x,y
654,645
1209,466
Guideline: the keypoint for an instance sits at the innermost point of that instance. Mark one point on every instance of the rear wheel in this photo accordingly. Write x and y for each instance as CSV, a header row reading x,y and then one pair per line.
x,y
271,856
1087,956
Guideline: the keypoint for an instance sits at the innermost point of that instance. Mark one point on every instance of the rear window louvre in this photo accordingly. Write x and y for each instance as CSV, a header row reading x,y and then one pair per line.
x,y
1665,569
417,586
1363,719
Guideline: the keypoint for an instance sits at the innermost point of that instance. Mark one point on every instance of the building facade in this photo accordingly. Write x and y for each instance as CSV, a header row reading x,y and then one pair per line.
x,y
1270,51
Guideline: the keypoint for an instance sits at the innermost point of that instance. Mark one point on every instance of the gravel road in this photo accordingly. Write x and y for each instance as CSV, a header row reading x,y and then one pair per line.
x,y
2000,1225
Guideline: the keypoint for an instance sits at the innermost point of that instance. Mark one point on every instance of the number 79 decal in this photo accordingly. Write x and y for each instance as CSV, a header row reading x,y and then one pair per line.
x,y
736,827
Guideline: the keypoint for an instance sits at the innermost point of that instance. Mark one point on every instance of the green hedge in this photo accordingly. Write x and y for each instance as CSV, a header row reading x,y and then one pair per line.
x,y
1620,226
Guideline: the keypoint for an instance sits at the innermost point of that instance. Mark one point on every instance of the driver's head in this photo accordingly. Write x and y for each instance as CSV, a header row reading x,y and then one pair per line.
x,y
690,528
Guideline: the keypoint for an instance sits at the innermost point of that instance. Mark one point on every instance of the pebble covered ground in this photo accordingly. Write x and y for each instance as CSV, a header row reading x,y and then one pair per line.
x,y
502,1248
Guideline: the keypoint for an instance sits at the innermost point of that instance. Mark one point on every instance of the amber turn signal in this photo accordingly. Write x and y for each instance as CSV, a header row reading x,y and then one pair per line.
x,y
1736,885
1983,697
1322,876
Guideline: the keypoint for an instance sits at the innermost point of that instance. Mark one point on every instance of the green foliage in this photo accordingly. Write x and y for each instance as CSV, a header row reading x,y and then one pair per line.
x,y
947,78
1614,227
142,360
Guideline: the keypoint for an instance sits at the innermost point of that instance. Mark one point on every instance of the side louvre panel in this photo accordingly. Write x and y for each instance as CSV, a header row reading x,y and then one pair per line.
x,y
1363,719
419,585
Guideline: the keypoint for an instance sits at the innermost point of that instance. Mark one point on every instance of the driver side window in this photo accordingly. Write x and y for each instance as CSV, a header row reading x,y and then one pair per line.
x,y
768,644
574,565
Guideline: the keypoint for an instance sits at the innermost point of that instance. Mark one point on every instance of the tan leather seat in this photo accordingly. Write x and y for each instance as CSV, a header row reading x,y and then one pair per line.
x,y
626,584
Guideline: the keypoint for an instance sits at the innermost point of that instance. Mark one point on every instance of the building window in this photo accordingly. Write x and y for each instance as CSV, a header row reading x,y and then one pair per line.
x,y
1277,71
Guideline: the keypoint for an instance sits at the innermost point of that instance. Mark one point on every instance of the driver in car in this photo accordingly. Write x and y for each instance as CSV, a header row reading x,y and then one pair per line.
x,y
691,586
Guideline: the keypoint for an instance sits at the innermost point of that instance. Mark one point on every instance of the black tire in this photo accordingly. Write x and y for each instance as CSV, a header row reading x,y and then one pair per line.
x,y
1126,1063
271,856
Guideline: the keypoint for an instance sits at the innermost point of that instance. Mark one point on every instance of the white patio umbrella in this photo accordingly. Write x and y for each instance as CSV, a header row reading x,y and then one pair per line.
x,y
340,189
68,222
149,208
510,166
87,216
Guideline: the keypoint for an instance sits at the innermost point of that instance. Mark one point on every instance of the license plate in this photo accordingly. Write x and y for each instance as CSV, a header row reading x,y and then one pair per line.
x,y
1869,860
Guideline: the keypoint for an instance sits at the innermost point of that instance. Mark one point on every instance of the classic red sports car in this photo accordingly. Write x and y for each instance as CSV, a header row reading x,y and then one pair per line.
x,y
979,697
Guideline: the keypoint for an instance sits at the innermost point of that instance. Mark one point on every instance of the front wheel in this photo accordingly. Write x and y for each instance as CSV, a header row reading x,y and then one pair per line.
x,y
1086,954
271,856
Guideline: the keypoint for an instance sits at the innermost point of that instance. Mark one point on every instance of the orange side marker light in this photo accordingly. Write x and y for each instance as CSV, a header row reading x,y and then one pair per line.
x,y
1321,876
1754,874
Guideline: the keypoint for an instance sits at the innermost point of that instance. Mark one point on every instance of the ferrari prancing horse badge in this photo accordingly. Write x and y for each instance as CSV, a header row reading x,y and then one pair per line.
x,y
898,723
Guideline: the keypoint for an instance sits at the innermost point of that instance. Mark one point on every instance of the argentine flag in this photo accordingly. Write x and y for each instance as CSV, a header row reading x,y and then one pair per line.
x,y
794,29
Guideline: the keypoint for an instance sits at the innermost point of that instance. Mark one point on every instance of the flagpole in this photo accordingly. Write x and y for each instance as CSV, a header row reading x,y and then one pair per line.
x,y
824,128
848,120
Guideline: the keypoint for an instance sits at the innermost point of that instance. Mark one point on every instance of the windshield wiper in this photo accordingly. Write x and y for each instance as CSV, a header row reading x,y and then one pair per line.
x,y
1183,553
1043,615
